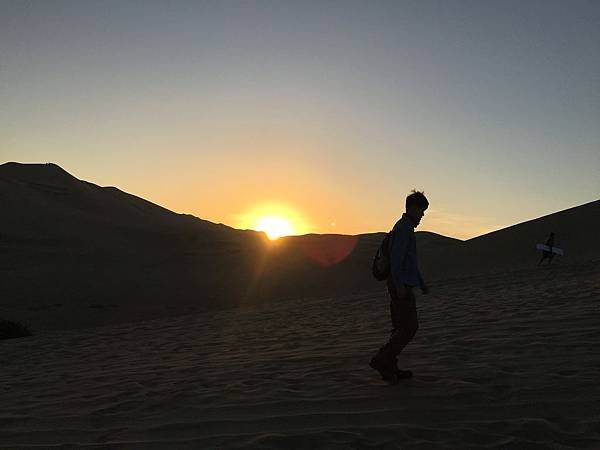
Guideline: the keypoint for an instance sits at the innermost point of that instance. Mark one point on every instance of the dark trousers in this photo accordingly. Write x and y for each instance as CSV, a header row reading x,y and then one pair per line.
x,y
403,311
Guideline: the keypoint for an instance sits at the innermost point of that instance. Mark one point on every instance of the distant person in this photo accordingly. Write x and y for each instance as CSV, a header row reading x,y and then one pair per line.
x,y
404,276
548,253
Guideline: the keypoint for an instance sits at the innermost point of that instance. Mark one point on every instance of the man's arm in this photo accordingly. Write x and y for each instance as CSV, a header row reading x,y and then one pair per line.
x,y
398,249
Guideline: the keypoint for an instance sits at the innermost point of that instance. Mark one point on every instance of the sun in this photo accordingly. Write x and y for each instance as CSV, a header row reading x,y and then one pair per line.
x,y
274,226
275,219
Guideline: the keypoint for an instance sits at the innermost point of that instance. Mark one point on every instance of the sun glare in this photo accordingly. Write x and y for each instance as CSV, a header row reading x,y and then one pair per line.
x,y
274,219
274,226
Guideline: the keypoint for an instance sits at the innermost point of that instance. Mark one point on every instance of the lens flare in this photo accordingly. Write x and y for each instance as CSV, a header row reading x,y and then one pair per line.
x,y
328,249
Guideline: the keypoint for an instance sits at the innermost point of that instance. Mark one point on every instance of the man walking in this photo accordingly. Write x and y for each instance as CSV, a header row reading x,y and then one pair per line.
x,y
404,276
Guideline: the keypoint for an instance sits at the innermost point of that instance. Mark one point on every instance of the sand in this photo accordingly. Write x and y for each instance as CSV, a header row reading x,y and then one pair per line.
x,y
506,361
132,348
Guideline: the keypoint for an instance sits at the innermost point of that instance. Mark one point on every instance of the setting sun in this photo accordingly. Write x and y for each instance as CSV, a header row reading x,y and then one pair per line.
x,y
275,219
274,226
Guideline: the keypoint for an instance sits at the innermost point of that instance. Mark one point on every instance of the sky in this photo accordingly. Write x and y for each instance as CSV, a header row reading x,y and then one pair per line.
x,y
326,113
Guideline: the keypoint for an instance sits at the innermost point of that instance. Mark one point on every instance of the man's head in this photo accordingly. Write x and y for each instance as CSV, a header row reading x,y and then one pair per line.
x,y
416,204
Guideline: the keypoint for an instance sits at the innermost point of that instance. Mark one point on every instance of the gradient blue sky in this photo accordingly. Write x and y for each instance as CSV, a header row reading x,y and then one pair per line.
x,y
333,110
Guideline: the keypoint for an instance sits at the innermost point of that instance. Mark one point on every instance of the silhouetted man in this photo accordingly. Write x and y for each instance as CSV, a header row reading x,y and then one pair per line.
x,y
546,253
404,276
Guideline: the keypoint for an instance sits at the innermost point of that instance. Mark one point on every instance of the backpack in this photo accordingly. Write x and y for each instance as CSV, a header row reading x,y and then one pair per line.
x,y
381,262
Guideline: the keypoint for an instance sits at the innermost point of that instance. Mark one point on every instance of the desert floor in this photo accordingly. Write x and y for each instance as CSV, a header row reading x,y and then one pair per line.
x,y
509,361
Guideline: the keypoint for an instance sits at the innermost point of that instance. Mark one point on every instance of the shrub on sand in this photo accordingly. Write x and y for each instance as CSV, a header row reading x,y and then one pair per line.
x,y
10,329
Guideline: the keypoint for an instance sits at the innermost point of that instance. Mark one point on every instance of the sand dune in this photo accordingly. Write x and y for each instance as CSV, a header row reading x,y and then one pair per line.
x,y
509,361
506,354
514,247
75,255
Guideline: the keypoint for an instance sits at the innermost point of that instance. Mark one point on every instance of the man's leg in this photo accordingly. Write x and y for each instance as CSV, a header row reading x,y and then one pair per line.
x,y
405,324
404,321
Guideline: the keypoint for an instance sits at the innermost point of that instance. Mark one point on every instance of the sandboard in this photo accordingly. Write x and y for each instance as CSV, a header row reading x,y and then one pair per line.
x,y
555,250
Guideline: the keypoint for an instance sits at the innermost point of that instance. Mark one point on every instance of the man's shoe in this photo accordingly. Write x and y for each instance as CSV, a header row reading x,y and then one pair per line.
x,y
387,372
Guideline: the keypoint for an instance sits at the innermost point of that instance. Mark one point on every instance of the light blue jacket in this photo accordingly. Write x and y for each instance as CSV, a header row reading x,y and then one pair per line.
x,y
403,254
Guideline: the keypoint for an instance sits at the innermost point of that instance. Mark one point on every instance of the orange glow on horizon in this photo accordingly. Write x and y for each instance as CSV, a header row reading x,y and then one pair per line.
x,y
274,226
274,219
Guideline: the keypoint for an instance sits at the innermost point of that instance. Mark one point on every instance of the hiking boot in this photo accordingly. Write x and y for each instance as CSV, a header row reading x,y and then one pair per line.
x,y
402,374
386,371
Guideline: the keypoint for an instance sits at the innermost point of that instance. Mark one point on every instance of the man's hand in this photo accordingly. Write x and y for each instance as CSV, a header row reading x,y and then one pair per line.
x,y
401,291
424,288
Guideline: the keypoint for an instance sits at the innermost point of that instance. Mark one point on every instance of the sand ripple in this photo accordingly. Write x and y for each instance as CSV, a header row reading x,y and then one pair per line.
x,y
509,361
